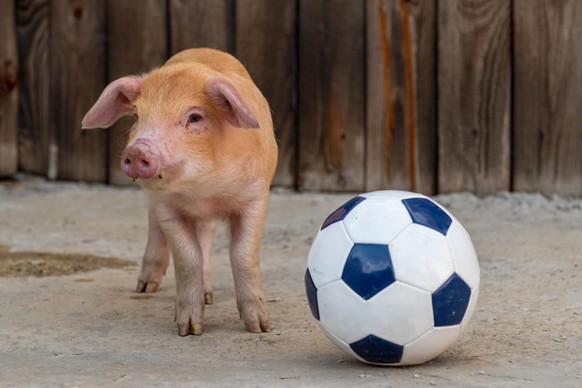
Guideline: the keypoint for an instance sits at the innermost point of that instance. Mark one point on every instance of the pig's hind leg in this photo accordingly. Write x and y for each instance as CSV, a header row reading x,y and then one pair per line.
x,y
156,257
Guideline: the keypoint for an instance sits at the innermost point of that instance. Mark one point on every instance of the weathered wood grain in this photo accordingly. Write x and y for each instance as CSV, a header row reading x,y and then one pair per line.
x,y
331,95
201,23
137,36
265,44
8,91
361,90
548,97
78,75
401,96
474,95
34,137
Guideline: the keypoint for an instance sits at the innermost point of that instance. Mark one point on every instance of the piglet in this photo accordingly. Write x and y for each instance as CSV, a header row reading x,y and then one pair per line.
x,y
203,148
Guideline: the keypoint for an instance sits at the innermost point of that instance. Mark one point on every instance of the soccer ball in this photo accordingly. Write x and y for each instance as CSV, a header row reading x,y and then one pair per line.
x,y
392,278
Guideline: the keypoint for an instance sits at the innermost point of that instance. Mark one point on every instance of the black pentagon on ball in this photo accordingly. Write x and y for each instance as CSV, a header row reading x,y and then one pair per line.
x,y
377,350
450,302
341,212
311,292
425,212
368,269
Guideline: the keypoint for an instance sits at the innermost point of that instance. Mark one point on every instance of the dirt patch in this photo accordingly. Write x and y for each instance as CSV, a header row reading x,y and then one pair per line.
x,y
39,264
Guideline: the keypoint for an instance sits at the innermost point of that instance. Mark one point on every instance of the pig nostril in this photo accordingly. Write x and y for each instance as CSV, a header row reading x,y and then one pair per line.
x,y
145,163
127,162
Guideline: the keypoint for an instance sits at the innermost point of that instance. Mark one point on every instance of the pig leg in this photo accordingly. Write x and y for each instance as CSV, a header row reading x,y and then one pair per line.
x,y
187,253
155,258
246,230
205,234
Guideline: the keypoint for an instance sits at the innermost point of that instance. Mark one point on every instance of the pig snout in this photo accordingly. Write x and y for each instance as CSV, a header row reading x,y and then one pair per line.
x,y
138,161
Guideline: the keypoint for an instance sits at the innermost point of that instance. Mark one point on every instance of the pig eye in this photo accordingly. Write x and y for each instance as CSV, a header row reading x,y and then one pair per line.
x,y
194,118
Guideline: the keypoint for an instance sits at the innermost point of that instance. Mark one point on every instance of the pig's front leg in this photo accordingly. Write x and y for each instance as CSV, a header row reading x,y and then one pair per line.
x,y
156,257
205,230
246,231
188,267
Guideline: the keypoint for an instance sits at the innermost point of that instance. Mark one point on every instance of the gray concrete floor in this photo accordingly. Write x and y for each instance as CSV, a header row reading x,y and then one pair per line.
x,y
90,329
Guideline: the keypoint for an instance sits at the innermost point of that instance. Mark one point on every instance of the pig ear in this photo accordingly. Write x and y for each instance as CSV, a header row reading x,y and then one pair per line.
x,y
227,97
114,103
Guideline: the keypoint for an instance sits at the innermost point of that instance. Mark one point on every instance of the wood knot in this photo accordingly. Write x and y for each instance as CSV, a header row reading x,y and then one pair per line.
x,y
78,12
9,74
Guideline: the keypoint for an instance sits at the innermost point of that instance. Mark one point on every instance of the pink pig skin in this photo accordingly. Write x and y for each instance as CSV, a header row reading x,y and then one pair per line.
x,y
203,148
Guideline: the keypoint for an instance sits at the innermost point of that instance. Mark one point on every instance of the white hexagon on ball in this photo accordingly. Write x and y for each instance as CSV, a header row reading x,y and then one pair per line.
x,y
400,313
429,345
342,312
328,254
421,257
363,221
463,254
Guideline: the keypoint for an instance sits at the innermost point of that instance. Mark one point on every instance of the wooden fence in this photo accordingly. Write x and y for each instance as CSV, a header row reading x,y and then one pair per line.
x,y
424,95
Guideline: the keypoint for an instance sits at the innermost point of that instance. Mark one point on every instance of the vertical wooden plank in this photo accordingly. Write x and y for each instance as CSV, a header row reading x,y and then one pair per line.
x,y
331,95
34,138
137,42
8,90
201,23
474,95
548,96
401,96
265,44
78,76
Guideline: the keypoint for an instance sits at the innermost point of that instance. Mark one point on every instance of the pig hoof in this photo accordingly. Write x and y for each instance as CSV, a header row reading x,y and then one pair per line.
x,y
147,287
259,327
208,297
190,328
256,320
266,326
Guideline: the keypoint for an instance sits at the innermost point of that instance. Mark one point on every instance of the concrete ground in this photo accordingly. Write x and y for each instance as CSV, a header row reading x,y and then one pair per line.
x,y
64,326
